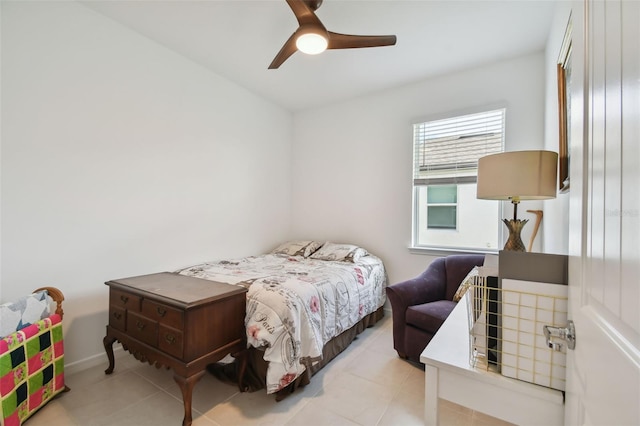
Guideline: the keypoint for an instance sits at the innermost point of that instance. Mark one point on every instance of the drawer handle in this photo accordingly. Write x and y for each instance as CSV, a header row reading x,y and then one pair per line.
x,y
117,315
124,299
170,338
140,325
161,311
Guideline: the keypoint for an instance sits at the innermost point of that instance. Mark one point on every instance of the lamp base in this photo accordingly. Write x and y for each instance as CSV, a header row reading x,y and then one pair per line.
x,y
514,243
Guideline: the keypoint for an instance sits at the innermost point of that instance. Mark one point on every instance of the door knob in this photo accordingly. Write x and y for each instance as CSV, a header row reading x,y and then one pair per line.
x,y
568,334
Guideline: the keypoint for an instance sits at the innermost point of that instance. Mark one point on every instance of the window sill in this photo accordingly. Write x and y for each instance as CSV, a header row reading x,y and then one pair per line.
x,y
446,251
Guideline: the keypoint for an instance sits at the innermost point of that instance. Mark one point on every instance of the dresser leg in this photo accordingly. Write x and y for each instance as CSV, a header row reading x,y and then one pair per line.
x,y
108,347
186,386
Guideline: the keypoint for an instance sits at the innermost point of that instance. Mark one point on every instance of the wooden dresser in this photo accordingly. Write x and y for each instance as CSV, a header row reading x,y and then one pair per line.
x,y
178,322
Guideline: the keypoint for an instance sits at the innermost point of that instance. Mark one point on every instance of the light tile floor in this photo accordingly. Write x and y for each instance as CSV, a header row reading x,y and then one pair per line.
x,y
365,385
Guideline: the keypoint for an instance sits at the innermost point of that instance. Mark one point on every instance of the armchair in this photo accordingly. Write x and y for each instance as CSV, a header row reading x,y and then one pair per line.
x,y
420,305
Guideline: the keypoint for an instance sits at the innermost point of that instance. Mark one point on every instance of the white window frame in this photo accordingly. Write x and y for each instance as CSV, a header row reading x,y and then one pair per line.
x,y
444,163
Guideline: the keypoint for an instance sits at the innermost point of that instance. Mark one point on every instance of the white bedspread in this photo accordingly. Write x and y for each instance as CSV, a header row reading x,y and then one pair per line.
x,y
296,304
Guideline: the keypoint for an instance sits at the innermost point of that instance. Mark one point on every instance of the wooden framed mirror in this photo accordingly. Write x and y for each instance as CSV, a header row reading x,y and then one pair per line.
x,y
564,111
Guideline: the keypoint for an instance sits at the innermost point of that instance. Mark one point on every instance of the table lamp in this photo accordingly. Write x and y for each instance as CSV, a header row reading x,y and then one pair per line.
x,y
517,176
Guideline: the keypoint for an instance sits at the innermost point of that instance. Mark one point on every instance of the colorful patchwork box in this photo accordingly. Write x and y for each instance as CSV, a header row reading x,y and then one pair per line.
x,y
31,368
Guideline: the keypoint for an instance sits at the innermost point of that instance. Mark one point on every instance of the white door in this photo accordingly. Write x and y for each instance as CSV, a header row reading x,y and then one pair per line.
x,y
603,372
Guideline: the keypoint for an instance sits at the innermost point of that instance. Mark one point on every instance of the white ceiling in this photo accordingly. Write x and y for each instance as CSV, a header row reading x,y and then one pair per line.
x,y
238,39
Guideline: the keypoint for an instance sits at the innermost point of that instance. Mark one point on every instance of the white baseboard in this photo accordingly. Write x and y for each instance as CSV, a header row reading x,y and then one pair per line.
x,y
92,361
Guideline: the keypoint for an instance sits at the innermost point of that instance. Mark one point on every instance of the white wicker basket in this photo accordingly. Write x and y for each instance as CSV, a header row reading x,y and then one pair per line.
x,y
506,326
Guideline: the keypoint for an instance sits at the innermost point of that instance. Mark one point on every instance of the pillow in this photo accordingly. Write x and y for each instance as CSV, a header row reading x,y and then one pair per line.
x,y
23,312
339,252
466,284
297,248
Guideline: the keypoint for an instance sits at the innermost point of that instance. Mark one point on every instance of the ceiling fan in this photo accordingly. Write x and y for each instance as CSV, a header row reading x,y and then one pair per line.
x,y
312,37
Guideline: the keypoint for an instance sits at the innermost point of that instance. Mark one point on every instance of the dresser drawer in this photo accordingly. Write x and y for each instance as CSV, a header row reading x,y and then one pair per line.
x,y
170,341
143,329
163,314
124,300
118,318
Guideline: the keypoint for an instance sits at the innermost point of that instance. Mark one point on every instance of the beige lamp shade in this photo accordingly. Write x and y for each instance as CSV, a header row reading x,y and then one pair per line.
x,y
518,175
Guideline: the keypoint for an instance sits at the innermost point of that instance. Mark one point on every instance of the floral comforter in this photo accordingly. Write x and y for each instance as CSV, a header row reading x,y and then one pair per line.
x,y
296,304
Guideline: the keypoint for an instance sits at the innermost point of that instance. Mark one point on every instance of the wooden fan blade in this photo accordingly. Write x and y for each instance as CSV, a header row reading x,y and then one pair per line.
x,y
347,41
288,49
304,11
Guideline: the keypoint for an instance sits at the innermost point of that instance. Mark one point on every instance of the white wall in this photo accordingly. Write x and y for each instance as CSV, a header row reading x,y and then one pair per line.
x,y
556,212
352,161
121,158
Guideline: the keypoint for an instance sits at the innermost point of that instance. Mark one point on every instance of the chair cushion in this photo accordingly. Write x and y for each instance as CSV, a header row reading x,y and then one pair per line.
x,y
429,316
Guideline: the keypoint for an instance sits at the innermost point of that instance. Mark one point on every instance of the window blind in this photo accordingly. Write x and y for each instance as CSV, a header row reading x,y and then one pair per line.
x,y
447,151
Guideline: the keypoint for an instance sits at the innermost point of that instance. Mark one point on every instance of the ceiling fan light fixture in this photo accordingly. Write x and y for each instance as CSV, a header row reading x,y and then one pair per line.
x,y
311,42
312,37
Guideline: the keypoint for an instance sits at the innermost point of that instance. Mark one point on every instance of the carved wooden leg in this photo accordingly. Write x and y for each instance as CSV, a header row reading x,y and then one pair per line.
x,y
108,347
186,386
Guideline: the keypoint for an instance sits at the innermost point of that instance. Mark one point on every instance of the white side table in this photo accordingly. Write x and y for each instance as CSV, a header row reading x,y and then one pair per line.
x,y
449,375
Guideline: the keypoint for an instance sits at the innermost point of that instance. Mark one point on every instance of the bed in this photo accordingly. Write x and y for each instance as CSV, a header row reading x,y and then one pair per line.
x,y
306,302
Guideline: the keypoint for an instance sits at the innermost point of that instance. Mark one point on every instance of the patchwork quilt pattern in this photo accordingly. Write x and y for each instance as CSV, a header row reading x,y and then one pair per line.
x,y
31,369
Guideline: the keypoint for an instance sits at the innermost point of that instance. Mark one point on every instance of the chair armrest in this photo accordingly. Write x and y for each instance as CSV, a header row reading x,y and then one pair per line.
x,y
57,297
427,287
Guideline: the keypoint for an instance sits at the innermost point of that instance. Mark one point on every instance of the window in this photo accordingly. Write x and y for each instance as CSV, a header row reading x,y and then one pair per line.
x,y
446,212
441,206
